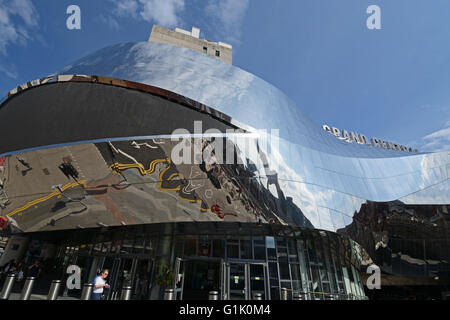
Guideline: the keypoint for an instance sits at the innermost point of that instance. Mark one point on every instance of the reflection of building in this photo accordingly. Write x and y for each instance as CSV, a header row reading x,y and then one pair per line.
x,y
304,213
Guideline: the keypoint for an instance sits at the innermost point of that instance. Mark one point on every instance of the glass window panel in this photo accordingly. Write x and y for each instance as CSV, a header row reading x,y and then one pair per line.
x,y
204,246
149,249
127,247
246,248
233,251
292,251
260,253
273,270
179,246
316,285
271,254
190,246
218,248
115,247
284,271
258,240
270,242
97,247
281,242
138,246
295,272
282,255
311,251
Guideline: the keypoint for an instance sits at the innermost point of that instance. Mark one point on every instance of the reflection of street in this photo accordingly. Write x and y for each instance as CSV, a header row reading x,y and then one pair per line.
x,y
229,191
132,182
170,179
4,201
32,202
56,193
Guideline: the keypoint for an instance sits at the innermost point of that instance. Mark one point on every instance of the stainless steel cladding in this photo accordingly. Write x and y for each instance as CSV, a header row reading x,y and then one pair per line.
x,y
110,149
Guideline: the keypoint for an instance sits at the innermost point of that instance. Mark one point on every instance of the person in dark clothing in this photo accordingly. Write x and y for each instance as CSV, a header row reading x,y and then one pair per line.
x,y
18,270
7,269
35,269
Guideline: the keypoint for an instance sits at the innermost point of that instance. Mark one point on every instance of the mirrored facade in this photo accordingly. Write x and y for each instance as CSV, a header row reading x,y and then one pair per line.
x,y
162,134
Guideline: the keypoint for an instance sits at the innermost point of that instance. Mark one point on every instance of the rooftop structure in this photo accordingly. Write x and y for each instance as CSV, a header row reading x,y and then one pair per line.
x,y
191,40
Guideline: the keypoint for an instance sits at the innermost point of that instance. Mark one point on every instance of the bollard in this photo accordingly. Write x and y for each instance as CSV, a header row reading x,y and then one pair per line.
x,y
257,296
284,294
305,294
168,294
53,293
297,296
126,293
27,288
7,287
87,291
213,295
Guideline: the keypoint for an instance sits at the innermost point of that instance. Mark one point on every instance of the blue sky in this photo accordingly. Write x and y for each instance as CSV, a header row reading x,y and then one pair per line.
x,y
389,83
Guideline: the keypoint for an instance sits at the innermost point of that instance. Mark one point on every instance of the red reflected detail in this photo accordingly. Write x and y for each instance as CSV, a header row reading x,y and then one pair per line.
x,y
3,223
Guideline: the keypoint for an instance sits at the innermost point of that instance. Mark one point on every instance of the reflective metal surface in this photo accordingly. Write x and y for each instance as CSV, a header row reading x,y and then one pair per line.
x,y
119,169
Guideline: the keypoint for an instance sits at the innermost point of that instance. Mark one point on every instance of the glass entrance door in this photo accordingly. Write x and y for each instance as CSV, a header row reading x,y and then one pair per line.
x,y
122,278
142,279
257,281
195,278
135,272
237,281
245,280
113,266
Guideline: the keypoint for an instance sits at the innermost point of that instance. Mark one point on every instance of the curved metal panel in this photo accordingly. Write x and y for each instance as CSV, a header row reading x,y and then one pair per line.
x,y
116,135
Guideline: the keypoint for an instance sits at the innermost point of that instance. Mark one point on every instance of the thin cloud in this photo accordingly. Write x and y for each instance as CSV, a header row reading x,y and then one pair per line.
x,y
228,16
126,8
436,141
223,18
9,71
166,13
11,30
109,21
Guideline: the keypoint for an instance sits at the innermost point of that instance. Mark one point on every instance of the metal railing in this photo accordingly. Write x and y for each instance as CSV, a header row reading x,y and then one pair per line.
x,y
317,295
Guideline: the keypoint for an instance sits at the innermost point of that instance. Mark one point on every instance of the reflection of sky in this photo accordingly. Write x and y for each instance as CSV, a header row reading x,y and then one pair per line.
x,y
437,194
231,90
314,168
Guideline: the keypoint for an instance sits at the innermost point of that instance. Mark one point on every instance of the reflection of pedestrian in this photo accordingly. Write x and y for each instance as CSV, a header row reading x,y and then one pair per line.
x,y
22,161
383,253
8,267
35,269
19,272
99,284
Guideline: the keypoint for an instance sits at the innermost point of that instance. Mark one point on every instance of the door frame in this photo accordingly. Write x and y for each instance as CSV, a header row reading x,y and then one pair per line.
x,y
179,260
247,286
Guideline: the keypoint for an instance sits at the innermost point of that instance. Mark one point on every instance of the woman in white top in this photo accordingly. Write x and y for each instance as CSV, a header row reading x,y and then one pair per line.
x,y
99,284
